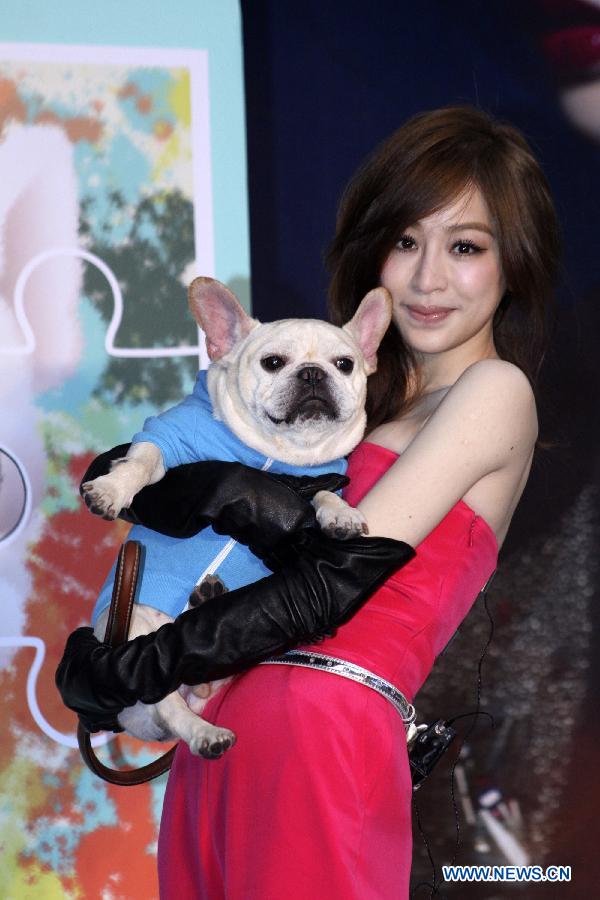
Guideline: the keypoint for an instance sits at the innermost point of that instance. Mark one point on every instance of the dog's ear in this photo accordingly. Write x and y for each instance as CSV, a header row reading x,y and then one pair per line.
x,y
219,313
369,324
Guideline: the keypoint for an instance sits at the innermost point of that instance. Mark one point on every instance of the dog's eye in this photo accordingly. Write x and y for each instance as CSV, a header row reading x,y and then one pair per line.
x,y
273,363
344,364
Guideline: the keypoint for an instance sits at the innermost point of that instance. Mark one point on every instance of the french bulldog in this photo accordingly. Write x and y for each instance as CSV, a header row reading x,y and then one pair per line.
x,y
293,390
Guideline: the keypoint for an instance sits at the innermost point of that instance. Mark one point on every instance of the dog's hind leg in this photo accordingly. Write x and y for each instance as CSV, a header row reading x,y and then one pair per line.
x,y
171,718
203,738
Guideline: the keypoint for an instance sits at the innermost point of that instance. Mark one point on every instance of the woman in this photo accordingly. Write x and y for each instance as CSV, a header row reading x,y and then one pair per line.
x,y
453,216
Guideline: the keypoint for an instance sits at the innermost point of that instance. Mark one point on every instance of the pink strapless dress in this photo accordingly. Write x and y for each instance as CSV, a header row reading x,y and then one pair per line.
x,y
314,800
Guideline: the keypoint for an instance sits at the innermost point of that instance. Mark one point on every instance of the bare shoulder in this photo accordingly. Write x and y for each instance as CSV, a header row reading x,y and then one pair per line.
x,y
497,373
499,396
487,420
477,446
491,399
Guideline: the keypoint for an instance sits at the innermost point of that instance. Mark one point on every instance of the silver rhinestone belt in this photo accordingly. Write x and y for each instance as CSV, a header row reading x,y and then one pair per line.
x,y
348,670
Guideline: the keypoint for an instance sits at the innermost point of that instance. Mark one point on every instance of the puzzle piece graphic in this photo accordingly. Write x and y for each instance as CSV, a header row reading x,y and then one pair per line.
x,y
29,343
41,346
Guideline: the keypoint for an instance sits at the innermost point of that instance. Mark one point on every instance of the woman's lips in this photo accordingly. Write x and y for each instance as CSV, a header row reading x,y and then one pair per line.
x,y
429,314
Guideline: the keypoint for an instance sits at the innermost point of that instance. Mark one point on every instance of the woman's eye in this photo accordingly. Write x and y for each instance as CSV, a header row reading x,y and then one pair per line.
x,y
406,242
466,248
273,363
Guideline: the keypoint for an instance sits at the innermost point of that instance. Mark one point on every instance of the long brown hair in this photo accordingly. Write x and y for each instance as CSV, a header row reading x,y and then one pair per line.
x,y
424,166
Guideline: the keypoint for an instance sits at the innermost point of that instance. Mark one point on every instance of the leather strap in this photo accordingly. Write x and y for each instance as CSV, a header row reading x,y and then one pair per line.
x,y
117,631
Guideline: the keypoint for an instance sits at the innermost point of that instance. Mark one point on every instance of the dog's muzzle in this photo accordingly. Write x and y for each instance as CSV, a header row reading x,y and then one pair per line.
x,y
311,398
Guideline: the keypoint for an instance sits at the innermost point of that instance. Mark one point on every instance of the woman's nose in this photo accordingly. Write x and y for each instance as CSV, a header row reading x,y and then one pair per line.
x,y
429,274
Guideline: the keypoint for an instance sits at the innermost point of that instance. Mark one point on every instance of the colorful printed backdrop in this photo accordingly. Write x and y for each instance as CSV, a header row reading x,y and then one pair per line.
x,y
105,216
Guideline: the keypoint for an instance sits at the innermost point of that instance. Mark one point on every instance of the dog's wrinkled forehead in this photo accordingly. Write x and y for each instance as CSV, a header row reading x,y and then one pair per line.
x,y
300,340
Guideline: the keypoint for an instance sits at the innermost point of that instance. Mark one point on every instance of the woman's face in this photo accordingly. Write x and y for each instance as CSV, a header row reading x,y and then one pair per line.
x,y
446,280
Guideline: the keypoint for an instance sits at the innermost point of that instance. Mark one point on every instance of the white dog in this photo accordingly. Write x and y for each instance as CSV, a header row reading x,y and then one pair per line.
x,y
293,390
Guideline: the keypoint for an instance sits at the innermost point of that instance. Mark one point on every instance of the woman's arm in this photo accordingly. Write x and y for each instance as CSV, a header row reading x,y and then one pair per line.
x,y
254,507
485,424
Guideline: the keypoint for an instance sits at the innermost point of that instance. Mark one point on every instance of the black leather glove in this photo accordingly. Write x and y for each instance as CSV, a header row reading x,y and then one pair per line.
x,y
325,585
256,508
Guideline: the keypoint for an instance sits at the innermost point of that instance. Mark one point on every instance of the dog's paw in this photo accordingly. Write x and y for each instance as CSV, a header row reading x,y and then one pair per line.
x,y
105,498
209,587
212,745
342,521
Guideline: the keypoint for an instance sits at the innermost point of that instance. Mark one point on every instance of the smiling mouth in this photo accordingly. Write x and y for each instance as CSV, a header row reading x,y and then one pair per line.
x,y
429,314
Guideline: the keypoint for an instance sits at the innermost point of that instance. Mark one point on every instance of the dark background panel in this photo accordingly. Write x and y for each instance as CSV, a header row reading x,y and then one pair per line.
x,y
325,82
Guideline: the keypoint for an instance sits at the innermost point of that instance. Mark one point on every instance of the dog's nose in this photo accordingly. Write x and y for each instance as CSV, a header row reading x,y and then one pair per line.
x,y
311,374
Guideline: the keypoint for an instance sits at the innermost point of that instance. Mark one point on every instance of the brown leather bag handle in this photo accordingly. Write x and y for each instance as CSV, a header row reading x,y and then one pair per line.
x,y
117,631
